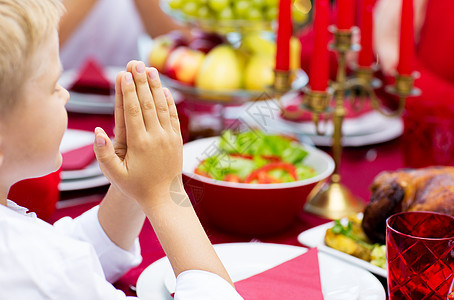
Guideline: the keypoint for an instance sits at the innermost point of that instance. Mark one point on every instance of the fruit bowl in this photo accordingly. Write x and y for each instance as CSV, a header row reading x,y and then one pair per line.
x,y
249,209
227,24
229,97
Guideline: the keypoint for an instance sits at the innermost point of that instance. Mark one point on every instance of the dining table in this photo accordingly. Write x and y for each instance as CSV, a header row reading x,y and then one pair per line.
x,y
359,166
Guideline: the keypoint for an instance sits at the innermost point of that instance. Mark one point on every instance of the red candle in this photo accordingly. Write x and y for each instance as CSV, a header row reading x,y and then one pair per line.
x,y
345,14
366,54
284,33
407,43
320,58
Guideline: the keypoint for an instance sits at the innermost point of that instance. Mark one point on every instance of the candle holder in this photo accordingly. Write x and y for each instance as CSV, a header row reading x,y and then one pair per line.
x,y
318,103
282,82
331,199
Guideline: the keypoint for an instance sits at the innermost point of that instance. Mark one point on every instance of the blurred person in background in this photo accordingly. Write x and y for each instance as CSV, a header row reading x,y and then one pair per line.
x,y
428,118
109,30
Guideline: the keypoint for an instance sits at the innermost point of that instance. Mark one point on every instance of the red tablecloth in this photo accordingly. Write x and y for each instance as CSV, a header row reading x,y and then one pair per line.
x,y
358,168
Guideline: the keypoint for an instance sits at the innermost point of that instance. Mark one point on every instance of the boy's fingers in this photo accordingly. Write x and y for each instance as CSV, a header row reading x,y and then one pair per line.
x,y
159,98
130,65
172,110
144,95
132,111
109,162
120,129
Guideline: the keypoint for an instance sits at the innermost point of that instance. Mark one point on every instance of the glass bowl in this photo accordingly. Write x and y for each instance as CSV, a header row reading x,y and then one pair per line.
x,y
230,97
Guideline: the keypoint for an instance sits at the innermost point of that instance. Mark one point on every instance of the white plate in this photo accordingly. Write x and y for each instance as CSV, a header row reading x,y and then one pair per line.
x,y
361,125
393,128
368,129
314,237
89,177
89,103
73,139
91,170
339,279
83,183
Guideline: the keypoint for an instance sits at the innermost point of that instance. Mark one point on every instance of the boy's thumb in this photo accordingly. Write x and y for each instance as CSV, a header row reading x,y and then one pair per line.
x,y
109,162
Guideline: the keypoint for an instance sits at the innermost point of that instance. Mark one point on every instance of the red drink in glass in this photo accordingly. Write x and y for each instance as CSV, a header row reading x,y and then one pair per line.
x,y
420,255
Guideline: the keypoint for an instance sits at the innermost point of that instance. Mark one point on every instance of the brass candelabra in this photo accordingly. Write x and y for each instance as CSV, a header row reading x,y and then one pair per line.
x,y
331,199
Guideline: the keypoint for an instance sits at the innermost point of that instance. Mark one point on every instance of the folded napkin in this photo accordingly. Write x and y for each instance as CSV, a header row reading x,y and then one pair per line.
x,y
92,80
298,278
79,158
292,111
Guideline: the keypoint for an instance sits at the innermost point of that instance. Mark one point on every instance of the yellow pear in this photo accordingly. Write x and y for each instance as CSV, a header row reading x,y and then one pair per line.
x,y
259,72
295,54
243,58
256,44
220,71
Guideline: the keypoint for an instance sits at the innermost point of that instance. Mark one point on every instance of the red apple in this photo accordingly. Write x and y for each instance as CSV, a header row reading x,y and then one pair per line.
x,y
162,46
178,38
202,45
204,41
183,64
209,36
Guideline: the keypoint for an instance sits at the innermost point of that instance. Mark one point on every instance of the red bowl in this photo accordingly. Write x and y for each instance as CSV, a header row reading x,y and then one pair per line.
x,y
251,209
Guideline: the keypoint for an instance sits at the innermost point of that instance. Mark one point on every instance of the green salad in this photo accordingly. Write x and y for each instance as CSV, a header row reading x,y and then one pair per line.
x,y
254,157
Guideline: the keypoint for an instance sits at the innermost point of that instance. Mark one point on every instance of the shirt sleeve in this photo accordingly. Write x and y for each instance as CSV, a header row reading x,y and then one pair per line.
x,y
114,260
40,263
203,285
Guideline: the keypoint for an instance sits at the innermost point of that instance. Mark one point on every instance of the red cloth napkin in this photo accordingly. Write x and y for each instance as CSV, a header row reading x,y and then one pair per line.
x,y
293,111
91,80
78,159
298,278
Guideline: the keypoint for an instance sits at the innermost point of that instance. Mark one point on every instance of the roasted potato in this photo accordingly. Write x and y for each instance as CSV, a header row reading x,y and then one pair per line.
x,y
348,236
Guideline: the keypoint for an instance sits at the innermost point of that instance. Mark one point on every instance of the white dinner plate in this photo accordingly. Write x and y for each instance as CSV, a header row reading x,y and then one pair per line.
x,y
83,183
368,129
75,138
89,177
339,280
393,128
366,123
92,170
89,103
315,237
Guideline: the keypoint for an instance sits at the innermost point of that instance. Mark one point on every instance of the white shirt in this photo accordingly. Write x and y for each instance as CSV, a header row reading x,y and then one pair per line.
x,y
75,259
109,33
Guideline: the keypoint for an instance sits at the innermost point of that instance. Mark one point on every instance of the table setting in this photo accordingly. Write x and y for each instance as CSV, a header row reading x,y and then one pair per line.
x,y
324,278
269,225
80,169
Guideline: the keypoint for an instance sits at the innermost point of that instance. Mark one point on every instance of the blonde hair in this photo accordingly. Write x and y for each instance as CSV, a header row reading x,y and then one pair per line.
x,y
24,25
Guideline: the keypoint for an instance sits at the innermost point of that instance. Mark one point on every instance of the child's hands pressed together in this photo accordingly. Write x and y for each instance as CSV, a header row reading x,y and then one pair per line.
x,y
146,155
145,163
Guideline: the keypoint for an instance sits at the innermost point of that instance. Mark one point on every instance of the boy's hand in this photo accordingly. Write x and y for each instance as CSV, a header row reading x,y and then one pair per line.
x,y
146,156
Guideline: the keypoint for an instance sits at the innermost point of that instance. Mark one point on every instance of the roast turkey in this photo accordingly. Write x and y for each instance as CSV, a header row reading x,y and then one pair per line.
x,y
426,189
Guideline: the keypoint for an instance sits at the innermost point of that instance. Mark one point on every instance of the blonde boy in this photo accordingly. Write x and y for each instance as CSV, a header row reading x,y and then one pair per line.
x,y
76,259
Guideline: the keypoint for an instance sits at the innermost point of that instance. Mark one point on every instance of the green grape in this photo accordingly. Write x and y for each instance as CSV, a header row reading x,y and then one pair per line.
x,y
259,4
226,14
190,8
255,14
241,8
271,3
218,5
204,12
176,4
271,13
